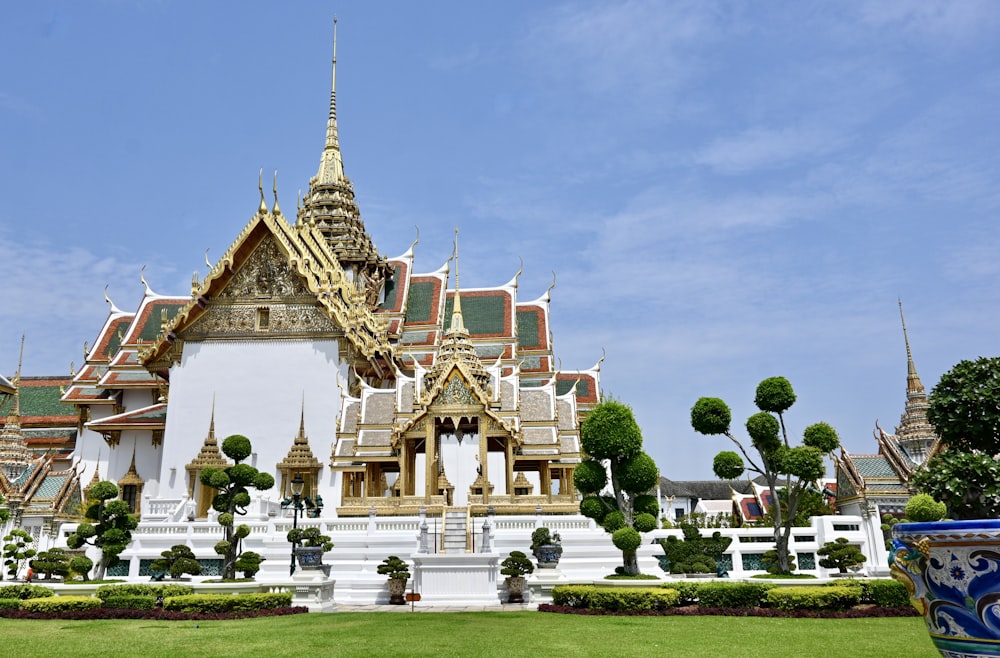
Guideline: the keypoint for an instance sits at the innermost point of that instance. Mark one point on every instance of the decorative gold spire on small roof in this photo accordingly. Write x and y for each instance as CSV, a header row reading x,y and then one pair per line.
x,y
132,476
300,456
913,383
209,455
14,453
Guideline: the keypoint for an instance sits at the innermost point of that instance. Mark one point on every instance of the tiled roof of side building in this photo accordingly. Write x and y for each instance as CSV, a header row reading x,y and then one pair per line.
x,y
148,325
486,313
873,466
109,340
423,301
393,298
586,387
532,332
41,401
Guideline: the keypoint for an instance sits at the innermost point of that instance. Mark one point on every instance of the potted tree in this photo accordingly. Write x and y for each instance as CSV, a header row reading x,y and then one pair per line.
x,y
310,545
952,568
515,566
398,572
546,547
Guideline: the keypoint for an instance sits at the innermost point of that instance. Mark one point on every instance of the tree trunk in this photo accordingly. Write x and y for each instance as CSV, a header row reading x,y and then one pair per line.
x,y
229,558
102,567
631,563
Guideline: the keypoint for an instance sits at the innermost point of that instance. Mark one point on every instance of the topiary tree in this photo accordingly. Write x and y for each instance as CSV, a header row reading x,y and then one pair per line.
x,y
16,550
796,469
177,561
516,564
249,563
53,562
964,409
613,442
922,508
694,554
841,555
112,530
81,566
233,483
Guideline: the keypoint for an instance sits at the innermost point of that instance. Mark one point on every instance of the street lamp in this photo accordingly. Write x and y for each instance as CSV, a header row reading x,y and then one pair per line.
x,y
296,502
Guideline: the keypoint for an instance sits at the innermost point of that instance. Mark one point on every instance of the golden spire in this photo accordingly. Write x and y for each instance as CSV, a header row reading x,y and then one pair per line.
x,y
262,209
276,210
913,383
14,453
457,324
331,164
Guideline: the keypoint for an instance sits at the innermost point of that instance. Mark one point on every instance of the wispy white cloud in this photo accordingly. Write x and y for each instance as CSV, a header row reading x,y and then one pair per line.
x,y
934,18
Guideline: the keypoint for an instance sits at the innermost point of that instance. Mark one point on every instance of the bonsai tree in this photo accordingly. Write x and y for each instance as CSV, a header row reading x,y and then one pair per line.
x,y
53,562
613,442
796,469
398,572
395,568
17,549
309,537
546,545
177,561
112,529
516,564
694,553
249,563
840,554
965,412
233,483
81,566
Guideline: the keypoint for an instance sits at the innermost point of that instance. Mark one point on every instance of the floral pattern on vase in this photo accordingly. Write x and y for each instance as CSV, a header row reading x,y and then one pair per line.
x,y
952,572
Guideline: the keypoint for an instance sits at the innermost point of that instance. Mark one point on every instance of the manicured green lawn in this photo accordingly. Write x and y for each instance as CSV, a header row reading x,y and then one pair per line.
x,y
472,634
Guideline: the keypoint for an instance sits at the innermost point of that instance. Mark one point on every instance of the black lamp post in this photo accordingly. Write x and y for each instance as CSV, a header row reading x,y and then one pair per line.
x,y
297,484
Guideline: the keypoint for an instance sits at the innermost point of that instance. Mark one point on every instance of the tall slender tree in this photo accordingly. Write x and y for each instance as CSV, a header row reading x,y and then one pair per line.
x,y
794,468
233,483
613,442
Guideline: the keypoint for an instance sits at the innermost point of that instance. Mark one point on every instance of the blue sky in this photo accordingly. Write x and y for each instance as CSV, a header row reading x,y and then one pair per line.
x,y
725,191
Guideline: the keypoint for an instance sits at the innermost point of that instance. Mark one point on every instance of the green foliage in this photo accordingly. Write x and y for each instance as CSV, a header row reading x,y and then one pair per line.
x,y
783,466
732,595
16,550
516,564
922,508
775,395
813,597
610,432
611,437
727,465
61,604
614,599
821,436
25,591
811,503
233,497
772,565
394,567
177,561
968,483
841,554
687,590
105,592
208,603
130,602
309,537
10,604
53,562
81,566
646,504
694,553
112,531
4,512
711,416
965,406
627,540
887,593
249,563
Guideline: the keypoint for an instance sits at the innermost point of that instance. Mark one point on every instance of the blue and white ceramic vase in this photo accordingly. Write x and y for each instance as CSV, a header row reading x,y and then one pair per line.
x,y
952,572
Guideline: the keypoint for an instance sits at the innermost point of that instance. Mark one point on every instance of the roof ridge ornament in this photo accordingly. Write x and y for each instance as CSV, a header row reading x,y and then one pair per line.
x,y
114,309
275,210
262,208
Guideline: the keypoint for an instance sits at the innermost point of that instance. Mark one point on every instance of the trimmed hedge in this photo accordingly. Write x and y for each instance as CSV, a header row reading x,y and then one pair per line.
x,y
733,595
10,604
613,599
24,591
60,604
687,590
125,602
814,597
206,603
888,593
143,589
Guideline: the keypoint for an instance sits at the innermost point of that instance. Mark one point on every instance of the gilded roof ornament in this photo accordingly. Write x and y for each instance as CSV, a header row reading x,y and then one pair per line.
x,y
262,208
114,309
276,210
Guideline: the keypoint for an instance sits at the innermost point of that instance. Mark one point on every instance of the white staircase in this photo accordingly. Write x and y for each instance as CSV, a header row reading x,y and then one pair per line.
x,y
455,539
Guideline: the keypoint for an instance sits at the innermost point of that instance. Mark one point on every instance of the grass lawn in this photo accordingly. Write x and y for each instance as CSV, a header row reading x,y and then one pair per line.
x,y
472,634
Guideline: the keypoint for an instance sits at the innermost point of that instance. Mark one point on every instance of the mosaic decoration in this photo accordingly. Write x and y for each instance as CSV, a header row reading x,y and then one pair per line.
x,y
806,561
120,570
952,571
753,562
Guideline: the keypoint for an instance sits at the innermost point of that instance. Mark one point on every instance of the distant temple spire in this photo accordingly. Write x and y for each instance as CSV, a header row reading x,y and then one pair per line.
x,y
14,453
457,326
915,435
913,383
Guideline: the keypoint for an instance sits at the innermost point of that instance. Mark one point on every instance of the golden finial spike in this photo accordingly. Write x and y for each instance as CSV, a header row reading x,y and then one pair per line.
x,y
276,210
260,186
913,382
416,240
553,284
208,263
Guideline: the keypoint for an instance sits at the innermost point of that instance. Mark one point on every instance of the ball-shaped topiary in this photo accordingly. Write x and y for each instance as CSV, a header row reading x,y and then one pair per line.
x,y
613,521
646,504
774,394
763,429
922,508
593,508
644,522
711,416
610,431
821,436
728,465
627,540
237,447
637,473
590,476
